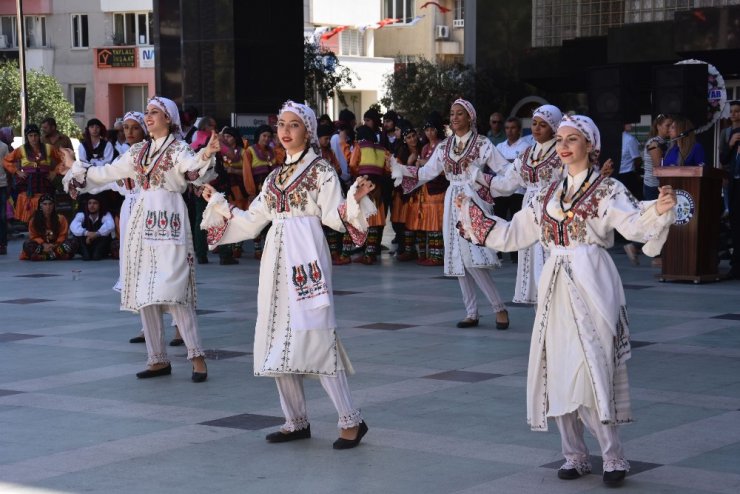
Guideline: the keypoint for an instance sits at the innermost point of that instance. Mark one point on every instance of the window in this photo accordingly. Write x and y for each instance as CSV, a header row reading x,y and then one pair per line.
x,y
35,31
459,10
79,31
351,42
132,28
8,38
135,98
78,98
399,9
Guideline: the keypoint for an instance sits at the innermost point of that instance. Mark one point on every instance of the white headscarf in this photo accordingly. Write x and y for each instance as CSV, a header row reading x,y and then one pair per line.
x,y
170,111
471,111
588,128
550,114
306,114
137,117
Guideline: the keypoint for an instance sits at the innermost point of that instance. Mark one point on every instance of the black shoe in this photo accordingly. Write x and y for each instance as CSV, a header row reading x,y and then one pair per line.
x,y
503,325
202,259
228,261
568,474
284,437
146,374
614,477
342,443
137,339
468,323
199,377
176,342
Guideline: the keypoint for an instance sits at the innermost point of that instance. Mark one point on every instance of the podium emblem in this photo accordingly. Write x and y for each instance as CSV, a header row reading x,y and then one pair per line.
x,y
685,207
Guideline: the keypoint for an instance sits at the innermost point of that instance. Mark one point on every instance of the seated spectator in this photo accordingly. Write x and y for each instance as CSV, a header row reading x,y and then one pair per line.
x,y
685,151
47,234
92,228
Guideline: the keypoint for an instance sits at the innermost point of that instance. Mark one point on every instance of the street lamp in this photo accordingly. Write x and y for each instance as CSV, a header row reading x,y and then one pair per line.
x,y
21,30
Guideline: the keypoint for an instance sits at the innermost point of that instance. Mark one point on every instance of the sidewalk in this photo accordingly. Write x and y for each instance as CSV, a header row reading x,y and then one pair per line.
x,y
445,407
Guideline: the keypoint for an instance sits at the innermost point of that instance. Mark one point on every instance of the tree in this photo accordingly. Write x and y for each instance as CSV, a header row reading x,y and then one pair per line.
x,y
323,75
45,99
417,88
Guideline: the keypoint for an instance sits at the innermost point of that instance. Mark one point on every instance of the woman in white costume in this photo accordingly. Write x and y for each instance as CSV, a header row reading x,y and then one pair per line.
x,y
295,333
580,343
538,166
462,158
158,272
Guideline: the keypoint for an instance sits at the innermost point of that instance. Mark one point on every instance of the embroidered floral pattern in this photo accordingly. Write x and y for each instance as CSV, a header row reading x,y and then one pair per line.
x,y
358,236
470,154
481,224
534,172
295,195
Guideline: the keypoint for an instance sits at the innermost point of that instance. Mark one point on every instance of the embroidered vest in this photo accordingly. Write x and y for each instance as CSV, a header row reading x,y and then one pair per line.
x,y
92,226
261,165
31,165
372,158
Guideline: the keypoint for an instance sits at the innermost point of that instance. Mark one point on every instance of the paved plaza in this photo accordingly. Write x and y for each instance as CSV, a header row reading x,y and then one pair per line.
x,y
445,407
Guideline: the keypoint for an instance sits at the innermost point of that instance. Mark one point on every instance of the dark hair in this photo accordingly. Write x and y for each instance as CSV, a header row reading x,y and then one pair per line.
x,y
516,121
39,221
404,151
325,118
103,130
34,129
346,116
235,134
50,121
365,133
735,102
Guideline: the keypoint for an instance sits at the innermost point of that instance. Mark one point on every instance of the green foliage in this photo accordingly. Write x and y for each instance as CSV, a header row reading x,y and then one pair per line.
x,y
420,87
323,74
45,99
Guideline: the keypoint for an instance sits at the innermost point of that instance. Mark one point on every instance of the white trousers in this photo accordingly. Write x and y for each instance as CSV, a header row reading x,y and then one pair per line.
x,y
184,316
484,279
293,400
574,447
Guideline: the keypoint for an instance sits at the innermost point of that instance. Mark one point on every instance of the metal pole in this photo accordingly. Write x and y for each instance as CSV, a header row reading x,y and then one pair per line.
x,y
21,30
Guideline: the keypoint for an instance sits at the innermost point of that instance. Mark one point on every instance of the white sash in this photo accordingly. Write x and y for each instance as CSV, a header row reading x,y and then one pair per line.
x,y
164,213
308,280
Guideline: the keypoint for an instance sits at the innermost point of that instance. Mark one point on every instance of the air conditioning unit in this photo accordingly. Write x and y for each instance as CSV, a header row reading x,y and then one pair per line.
x,y
443,32
3,41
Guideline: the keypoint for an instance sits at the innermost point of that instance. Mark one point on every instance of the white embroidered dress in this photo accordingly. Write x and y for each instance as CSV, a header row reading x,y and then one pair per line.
x,y
580,340
295,331
538,166
157,257
461,171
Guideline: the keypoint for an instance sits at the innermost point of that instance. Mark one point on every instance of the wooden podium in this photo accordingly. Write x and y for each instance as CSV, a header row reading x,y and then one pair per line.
x,y
690,253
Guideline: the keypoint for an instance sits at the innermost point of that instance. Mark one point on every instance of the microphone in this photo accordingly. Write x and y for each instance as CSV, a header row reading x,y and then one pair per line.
x,y
682,135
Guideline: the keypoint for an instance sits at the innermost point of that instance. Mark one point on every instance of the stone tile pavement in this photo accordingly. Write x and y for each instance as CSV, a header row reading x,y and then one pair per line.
x,y
445,406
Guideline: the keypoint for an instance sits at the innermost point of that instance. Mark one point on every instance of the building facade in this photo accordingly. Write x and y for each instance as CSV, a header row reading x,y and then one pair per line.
x,y
99,51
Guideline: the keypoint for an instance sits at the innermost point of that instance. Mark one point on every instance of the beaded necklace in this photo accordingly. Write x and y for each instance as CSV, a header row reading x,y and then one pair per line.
x,y
579,193
287,169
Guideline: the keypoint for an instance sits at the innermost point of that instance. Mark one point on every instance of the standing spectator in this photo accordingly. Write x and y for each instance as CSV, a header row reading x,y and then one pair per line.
x,y
189,117
194,203
370,160
341,142
3,202
630,163
50,135
652,156
685,150
259,160
333,237
95,148
496,132
33,165
729,156
511,148
93,228
409,154
47,234
120,145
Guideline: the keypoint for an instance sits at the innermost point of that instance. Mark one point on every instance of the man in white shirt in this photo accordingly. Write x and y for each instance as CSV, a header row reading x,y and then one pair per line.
x,y
630,163
511,148
93,228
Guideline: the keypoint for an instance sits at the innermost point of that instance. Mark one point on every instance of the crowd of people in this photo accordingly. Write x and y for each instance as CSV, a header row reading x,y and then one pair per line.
x,y
312,193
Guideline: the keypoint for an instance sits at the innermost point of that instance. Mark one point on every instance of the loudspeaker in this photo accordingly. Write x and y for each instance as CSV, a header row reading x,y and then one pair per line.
x,y
681,90
613,94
